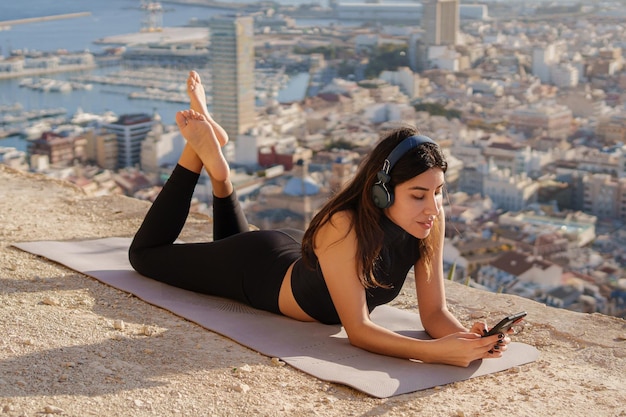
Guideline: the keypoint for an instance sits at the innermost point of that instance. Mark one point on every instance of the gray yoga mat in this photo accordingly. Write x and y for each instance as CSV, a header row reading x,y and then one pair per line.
x,y
317,349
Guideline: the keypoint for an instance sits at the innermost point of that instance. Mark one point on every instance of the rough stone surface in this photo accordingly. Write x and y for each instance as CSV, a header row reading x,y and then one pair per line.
x,y
72,346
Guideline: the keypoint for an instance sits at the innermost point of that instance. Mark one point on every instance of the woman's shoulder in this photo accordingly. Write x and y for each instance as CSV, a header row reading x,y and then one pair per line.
x,y
341,220
337,226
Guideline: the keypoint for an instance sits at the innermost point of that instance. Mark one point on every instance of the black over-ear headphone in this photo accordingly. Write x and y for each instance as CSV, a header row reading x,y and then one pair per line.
x,y
382,197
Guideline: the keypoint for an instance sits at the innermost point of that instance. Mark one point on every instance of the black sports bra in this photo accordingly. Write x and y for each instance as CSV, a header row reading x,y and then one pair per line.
x,y
399,254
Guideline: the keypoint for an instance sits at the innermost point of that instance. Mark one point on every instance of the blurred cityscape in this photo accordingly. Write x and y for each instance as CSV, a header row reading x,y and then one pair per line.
x,y
526,98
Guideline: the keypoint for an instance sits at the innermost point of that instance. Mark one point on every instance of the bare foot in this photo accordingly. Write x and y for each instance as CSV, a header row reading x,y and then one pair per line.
x,y
202,138
197,102
196,93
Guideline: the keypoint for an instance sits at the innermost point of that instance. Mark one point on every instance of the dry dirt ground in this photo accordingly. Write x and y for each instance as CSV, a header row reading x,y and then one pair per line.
x,y
71,346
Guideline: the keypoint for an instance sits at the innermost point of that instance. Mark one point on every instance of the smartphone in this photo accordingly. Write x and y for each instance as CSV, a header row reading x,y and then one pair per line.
x,y
505,324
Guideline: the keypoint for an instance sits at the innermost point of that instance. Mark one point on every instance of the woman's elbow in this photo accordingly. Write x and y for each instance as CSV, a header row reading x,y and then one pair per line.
x,y
358,338
357,342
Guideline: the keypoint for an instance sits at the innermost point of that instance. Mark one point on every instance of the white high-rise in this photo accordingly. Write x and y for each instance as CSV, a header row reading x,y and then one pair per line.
x,y
440,21
232,68
543,58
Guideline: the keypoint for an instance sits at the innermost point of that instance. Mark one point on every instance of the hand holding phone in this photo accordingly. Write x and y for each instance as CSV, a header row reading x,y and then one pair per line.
x,y
505,324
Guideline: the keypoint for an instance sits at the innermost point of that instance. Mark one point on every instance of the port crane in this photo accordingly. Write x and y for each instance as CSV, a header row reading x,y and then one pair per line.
x,y
153,16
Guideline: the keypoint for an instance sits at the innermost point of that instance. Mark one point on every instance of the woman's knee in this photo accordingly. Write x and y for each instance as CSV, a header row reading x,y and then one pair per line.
x,y
136,259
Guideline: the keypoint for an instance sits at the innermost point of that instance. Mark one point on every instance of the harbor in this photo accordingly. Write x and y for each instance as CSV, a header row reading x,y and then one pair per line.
x,y
44,89
146,90
18,126
52,85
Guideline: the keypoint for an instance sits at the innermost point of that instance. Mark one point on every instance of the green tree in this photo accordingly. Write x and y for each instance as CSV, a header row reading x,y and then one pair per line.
x,y
437,109
340,144
387,57
330,52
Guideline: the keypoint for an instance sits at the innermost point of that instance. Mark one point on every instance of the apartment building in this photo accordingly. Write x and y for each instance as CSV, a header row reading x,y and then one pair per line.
x,y
549,119
130,130
605,196
102,148
519,273
612,129
60,150
508,155
510,192
160,149
545,57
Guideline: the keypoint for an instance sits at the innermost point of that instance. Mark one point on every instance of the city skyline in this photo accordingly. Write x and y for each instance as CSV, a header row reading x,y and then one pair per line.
x,y
532,118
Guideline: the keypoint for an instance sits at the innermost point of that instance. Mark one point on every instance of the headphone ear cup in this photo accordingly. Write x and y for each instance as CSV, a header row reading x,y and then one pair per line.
x,y
381,196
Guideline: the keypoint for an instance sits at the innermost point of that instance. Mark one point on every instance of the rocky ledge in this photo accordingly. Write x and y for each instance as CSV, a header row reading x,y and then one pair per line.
x,y
72,346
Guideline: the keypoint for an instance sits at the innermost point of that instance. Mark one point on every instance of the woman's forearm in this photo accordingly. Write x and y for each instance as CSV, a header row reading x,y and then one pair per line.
x,y
377,339
441,323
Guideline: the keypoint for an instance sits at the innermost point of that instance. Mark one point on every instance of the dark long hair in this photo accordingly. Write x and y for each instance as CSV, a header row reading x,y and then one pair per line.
x,y
356,197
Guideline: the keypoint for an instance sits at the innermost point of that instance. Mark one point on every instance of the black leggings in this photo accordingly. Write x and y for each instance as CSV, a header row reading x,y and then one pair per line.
x,y
239,264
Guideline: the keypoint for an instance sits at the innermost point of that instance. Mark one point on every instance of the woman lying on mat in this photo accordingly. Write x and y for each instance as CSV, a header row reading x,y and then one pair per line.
x,y
354,256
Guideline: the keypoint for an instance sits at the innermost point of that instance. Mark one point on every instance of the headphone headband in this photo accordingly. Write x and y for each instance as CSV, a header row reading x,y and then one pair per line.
x,y
402,148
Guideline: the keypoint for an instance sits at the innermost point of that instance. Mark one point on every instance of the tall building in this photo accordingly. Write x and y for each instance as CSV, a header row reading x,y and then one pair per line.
x,y
102,148
440,21
130,131
543,58
232,67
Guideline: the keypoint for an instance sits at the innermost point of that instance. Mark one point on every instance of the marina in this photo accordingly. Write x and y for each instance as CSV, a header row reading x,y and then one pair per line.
x,y
157,94
52,86
153,84
145,78
148,87
12,114
18,126
28,124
